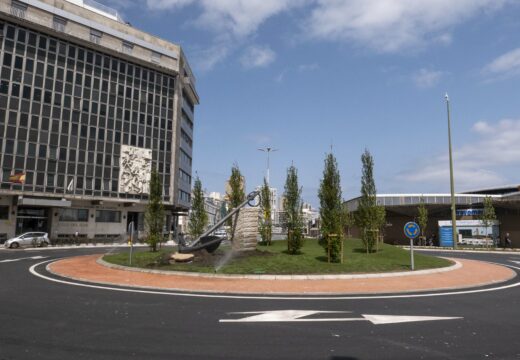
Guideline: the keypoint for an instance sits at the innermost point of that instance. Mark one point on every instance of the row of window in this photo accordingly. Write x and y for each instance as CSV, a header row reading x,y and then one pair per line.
x,y
76,215
59,23
81,215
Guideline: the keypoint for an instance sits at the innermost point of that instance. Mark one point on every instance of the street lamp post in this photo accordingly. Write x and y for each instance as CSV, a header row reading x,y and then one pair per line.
x,y
452,186
268,150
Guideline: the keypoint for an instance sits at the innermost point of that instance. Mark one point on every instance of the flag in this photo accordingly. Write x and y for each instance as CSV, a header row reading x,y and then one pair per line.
x,y
18,178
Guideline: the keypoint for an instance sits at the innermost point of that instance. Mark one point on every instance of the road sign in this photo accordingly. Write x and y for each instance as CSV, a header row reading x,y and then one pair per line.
x,y
411,230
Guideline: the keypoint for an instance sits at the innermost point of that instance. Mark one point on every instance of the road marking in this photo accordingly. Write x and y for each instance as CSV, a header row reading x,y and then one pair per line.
x,y
265,297
24,258
301,316
514,261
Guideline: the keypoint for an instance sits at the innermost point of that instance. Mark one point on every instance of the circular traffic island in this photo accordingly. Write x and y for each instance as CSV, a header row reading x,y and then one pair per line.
x,y
275,260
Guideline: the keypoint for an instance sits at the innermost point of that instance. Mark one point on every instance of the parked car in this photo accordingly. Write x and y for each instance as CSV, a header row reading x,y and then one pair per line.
x,y
28,239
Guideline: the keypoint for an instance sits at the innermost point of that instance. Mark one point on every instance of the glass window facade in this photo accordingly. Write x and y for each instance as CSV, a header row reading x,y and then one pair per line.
x,y
65,111
108,216
79,215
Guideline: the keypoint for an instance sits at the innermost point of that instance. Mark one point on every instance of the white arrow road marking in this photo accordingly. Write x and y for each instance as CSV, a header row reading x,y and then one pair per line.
x,y
281,315
514,261
299,316
25,258
396,319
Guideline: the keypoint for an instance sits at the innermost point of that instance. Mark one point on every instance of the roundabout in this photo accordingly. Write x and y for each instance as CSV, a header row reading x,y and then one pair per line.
x,y
86,319
464,274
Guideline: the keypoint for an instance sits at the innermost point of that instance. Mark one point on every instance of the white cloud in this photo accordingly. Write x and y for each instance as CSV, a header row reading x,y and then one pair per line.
x,y
485,162
236,21
257,56
507,64
392,25
239,18
308,67
206,59
425,78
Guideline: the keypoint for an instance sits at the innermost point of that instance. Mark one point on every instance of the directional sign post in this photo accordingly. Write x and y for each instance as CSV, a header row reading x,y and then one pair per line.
x,y
411,230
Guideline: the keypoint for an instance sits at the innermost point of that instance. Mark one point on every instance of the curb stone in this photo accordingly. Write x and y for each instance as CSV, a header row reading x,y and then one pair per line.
x,y
455,266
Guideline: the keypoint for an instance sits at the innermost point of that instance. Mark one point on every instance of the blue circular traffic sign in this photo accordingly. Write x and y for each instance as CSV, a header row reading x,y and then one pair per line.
x,y
411,230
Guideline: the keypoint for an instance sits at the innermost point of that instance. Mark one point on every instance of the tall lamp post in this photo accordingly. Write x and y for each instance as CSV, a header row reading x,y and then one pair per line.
x,y
268,150
452,186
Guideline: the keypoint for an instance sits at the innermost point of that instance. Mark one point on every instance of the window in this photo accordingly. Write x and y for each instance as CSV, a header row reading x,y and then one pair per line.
x,y
127,47
74,215
18,9
185,157
95,36
156,57
4,212
186,138
185,176
184,196
108,216
58,23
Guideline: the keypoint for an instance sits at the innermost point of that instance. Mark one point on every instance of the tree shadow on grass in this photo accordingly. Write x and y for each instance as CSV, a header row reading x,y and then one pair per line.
x,y
364,251
286,252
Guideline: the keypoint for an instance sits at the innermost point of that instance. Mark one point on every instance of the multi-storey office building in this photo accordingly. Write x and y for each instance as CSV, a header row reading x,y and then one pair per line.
x,y
88,106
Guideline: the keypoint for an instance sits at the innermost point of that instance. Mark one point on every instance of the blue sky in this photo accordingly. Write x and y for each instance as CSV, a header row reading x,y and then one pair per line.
x,y
305,75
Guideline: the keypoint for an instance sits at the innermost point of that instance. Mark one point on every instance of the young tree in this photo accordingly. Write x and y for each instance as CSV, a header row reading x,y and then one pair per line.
x,y
198,216
370,217
488,214
293,209
422,217
235,195
331,209
154,216
266,227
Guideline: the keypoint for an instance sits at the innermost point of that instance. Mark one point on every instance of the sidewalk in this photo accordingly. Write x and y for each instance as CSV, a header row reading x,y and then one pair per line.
x,y
471,274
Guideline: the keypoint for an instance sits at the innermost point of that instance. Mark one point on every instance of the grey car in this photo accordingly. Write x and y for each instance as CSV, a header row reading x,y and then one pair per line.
x,y
28,239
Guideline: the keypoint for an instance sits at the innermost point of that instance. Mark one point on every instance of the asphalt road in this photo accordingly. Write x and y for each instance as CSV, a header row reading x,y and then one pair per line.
x,y
41,319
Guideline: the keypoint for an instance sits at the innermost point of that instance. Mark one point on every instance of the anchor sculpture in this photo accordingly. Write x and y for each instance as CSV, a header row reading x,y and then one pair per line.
x,y
212,242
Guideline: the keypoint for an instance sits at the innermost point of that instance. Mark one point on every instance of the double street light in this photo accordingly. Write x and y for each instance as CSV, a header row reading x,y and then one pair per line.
x,y
268,150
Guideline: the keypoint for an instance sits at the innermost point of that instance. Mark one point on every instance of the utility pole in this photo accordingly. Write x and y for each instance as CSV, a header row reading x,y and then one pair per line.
x,y
452,186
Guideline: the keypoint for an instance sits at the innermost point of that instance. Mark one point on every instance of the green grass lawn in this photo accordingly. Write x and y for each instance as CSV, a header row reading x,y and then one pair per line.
x,y
274,260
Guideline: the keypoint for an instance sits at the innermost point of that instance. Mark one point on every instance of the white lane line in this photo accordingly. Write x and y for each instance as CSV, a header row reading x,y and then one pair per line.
x,y
24,258
257,297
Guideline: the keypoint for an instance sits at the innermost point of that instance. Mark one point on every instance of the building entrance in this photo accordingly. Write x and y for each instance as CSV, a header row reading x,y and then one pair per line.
x,y
133,217
32,219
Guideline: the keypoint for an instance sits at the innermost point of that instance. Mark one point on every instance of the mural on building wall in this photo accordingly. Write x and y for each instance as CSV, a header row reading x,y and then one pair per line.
x,y
136,166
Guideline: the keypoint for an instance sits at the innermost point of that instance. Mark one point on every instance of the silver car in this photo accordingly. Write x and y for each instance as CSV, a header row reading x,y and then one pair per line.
x,y
28,239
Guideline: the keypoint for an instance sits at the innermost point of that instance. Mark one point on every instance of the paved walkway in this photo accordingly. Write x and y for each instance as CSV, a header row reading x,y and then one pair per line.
x,y
471,274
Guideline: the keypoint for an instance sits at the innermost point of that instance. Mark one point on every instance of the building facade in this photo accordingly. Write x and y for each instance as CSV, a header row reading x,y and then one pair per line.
x,y
89,106
402,208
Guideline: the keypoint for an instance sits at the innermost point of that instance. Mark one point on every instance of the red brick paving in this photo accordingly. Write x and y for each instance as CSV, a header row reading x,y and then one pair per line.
x,y
472,273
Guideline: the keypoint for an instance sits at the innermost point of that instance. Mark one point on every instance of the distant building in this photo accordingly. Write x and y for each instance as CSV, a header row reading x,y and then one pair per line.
x,y
213,206
401,208
310,219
